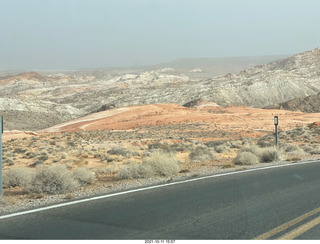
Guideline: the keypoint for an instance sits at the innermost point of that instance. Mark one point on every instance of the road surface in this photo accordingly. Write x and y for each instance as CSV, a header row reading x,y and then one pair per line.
x,y
273,203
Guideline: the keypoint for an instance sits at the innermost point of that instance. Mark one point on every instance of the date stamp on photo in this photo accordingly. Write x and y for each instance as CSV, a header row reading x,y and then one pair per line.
x,y
159,241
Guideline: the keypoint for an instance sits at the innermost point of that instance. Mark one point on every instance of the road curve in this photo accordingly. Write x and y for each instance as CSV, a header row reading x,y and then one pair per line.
x,y
264,204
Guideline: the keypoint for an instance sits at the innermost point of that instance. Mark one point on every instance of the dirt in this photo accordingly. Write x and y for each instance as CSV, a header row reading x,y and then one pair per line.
x,y
247,121
87,141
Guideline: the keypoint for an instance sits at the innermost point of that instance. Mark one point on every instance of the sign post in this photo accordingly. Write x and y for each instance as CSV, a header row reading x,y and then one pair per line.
x,y
1,131
276,122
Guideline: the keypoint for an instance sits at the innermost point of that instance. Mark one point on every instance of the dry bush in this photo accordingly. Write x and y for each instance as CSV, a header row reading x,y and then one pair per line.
x,y
292,150
3,202
236,144
254,149
246,158
201,154
217,143
223,148
316,150
83,176
158,145
158,164
19,150
17,177
289,147
135,171
162,164
308,149
53,179
228,166
271,154
120,151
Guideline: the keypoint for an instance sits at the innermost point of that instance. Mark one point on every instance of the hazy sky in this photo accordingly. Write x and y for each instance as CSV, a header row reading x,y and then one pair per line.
x,y
68,34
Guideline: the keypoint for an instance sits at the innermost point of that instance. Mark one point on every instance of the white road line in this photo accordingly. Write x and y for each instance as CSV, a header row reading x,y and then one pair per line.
x,y
148,188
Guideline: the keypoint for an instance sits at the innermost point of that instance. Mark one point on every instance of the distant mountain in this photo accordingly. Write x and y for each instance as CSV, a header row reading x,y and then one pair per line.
x,y
38,100
211,67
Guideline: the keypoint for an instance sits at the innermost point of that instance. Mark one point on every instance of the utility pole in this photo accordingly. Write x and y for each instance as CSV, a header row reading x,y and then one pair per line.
x,y
276,122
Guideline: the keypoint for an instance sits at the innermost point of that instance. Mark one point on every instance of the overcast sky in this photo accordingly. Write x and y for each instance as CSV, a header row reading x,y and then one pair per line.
x,y
71,34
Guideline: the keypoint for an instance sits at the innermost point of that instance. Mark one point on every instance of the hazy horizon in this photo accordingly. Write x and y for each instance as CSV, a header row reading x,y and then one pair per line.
x,y
75,34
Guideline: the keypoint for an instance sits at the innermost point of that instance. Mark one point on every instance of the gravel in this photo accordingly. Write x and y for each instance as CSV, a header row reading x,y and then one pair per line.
x,y
103,189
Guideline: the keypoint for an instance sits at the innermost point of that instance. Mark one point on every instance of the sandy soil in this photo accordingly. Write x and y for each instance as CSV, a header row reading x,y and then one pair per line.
x,y
136,128
237,119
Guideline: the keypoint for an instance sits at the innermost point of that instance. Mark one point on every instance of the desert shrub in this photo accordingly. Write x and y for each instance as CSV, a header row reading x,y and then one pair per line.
x,y
120,151
83,176
236,144
177,147
83,155
223,148
265,144
256,150
43,157
228,166
31,154
53,179
8,161
37,163
315,130
299,151
3,202
307,148
315,150
158,164
17,177
162,164
71,143
270,154
282,135
266,141
64,155
201,154
291,149
158,145
296,132
246,158
56,160
134,171
19,150
217,143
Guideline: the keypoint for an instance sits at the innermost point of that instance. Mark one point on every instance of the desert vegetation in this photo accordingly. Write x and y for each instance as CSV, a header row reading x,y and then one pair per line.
x,y
65,162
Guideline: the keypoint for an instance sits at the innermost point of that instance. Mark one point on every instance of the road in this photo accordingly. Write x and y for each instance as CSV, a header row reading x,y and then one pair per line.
x,y
282,202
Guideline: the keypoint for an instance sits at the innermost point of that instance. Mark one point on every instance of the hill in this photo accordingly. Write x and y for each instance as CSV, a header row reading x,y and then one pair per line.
x,y
212,67
309,104
175,121
64,96
264,85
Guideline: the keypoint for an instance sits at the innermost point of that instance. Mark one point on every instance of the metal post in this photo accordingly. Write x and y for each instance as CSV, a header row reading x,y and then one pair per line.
x,y
277,143
1,131
276,122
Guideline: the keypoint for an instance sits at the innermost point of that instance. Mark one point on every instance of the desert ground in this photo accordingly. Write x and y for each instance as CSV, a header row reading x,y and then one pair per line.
x,y
112,146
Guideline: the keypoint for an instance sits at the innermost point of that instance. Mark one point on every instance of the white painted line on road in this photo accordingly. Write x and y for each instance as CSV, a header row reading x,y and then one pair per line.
x,y
149,188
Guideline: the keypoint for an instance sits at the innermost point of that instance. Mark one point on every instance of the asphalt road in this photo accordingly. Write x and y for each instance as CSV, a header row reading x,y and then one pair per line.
x,y
261,204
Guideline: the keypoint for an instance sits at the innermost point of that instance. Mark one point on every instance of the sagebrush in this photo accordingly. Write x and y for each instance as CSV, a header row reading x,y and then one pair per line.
x,y
158,164
53,179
